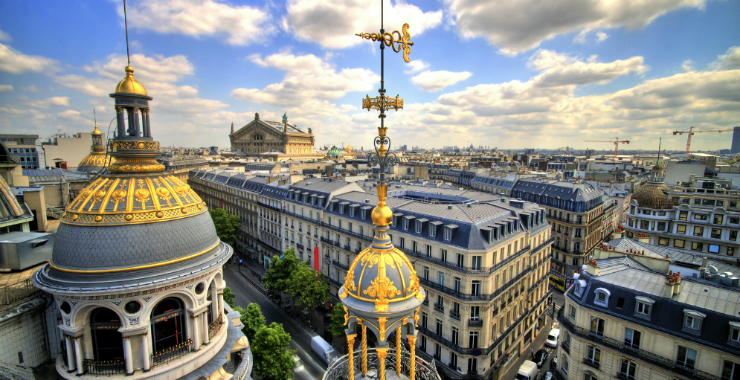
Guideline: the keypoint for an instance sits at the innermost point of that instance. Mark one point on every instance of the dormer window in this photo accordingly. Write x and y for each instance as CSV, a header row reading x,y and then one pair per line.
x,y
602,297
405,224
432,230
643,307
734,333
579,286
418,226
341,209
351,211
692,321
363,214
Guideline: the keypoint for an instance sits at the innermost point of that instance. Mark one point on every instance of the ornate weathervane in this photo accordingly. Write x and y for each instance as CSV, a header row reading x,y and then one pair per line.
x,y
398,41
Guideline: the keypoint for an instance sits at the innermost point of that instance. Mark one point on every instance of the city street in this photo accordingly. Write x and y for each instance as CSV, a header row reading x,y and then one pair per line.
x,y
314,366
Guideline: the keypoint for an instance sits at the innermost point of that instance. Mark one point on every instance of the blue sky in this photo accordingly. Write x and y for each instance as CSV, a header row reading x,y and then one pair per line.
x,y
504,73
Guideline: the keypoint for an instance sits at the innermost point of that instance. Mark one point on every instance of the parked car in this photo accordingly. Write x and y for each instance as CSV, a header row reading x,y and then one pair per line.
x,y
554,363
540,357
552,338
547,376
527,371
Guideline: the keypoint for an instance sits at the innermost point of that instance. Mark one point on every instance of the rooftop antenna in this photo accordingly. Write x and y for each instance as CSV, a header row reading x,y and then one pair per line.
x,y
660,141
125,23
95,117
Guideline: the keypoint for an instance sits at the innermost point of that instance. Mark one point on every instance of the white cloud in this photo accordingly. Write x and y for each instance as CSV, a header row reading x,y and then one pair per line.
x,y
562,70
416,65
30,88
237,25
601,36
6,87
687,65
547,110
333,24
4,36
729,60
515,26
433,81
54,101
15,62
307,77
69,114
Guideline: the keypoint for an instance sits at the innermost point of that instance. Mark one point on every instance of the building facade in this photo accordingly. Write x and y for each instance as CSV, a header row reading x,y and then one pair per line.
x,y
698,219
629,317
263,137
484,261
579,215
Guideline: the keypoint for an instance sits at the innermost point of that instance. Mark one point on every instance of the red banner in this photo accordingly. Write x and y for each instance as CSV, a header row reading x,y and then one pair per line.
x,y
316,258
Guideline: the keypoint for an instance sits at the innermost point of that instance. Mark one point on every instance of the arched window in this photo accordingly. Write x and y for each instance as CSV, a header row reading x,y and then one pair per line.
x,y
211,307
168,324
107,341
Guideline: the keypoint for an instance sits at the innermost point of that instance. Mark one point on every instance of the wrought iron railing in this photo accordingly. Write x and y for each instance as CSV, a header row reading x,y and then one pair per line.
x,y
340,265
172,353
214,327
424,370
642,355
475,297
17,291
439,308
542,245
104,367
454,314
475,322
591,363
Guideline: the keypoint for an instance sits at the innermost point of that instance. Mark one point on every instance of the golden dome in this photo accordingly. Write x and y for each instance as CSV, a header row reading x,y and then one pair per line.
x,y
652,195
382,215
380,277
129,84
347,149
110,200
96,131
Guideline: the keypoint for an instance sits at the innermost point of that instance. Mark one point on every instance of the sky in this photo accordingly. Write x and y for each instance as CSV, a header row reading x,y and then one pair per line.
x,y
501,73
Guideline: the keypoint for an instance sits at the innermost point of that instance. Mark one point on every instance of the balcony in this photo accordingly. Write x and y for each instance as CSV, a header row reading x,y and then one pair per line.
x,y
424,370
439,308
461,268
591,363
541,246
624,376
565,346
475,297
475,322
339,265
104,367
642,355
368,239
455,314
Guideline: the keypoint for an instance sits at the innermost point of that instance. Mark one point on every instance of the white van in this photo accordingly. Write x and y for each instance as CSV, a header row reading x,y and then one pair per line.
x,y
552,338
527,371
324,349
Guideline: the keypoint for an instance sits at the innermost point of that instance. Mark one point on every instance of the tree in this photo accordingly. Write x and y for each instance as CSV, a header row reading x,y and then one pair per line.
x,y
229,297
309,286
227,226
336,321
252,319
278,276
273,359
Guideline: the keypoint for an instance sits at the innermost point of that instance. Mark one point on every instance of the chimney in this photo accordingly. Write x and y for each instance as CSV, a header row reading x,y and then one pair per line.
x,y
232,127
592,268
703,269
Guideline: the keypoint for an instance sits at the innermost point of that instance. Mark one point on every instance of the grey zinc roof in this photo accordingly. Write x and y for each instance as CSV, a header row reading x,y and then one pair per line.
x,y
626,281
108,247
677,256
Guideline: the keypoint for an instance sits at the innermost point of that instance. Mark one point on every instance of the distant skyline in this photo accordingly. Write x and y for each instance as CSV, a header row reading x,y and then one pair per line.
x,y
505,73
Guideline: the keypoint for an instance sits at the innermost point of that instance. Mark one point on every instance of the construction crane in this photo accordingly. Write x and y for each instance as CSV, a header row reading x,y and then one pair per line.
x,y
616,143
691,132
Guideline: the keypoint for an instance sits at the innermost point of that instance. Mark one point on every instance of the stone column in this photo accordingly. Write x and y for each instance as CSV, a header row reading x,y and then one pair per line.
x,y
204,321
70,354
196,332
147,126
137,124
120,122
145,355
127,356
79,355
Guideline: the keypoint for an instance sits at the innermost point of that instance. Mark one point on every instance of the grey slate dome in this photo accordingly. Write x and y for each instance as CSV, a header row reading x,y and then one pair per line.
x,y
120,247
